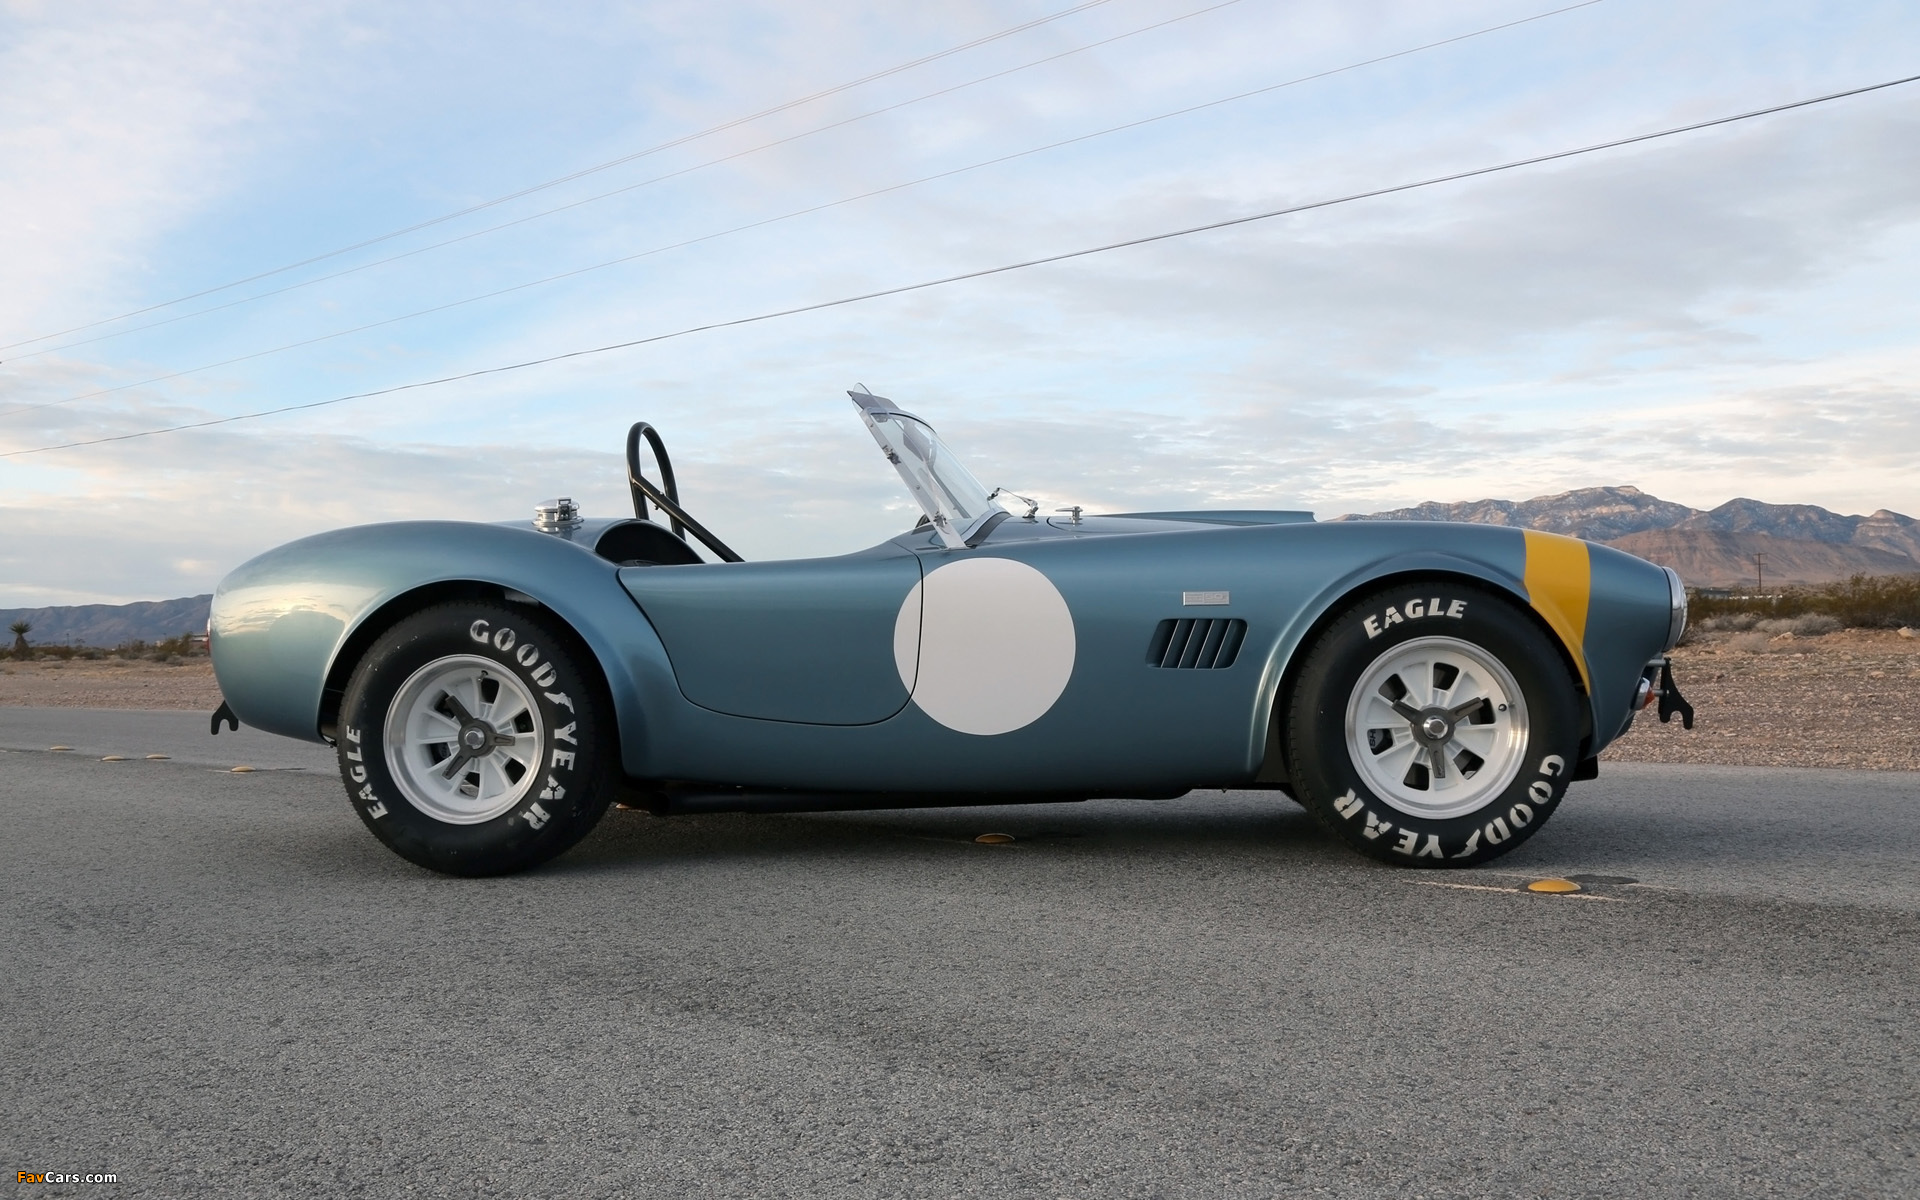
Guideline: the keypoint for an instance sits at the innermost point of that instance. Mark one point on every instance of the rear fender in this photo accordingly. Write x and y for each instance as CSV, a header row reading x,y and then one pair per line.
x,y
288,626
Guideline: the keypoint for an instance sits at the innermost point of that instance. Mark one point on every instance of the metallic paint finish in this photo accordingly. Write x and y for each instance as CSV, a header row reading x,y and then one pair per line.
x,y
1559,583
280,619
1226,516
1120,727
1628,618
586,533
807,640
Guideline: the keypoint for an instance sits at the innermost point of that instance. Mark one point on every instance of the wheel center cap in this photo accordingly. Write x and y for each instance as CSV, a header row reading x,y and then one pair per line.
x,y
1436,727
474,738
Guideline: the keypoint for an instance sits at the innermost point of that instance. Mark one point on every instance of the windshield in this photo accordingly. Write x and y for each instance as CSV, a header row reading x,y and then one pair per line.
x,y
951,497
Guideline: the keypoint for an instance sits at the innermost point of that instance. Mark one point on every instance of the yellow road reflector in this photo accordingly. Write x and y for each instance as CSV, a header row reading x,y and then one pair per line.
x,y
152,757
994,839
59,747
241,770
114,758
1553,885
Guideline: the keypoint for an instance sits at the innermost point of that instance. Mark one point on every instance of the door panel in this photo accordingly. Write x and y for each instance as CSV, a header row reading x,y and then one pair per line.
x,y
808,641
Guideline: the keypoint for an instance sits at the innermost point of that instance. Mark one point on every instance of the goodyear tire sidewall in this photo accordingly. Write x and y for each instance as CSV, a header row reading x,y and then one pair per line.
x,y
1339,794
557,809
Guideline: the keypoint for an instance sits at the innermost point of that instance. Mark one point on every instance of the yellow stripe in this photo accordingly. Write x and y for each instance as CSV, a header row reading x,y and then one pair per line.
x,y
1559,582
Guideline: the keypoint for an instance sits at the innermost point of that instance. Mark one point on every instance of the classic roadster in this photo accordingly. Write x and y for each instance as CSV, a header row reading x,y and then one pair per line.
x,y
1428,691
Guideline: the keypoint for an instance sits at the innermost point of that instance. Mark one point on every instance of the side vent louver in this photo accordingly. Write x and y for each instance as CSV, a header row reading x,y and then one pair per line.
x,y
1208,643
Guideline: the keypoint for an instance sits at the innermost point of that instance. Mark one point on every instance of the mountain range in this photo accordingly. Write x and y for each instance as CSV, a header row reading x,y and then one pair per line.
x,y
110,624
1802,543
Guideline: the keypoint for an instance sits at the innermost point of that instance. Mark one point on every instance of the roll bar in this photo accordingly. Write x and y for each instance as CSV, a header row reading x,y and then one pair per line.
x,y
667,501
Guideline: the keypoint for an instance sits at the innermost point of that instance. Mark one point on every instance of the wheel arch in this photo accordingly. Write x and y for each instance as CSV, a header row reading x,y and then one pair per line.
x,y
1337,598
377,621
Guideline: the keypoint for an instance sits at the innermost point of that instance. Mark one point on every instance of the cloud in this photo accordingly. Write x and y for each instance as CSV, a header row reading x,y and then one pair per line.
x,y
821,488
129,531
1725,313
118,122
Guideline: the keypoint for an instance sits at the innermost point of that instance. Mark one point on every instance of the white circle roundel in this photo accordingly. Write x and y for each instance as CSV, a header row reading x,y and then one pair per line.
x,y
985,645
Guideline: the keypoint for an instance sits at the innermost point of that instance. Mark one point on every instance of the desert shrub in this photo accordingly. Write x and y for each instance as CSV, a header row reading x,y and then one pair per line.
x,y
1863,602
180,646
1711,613
1883,602
171,649
1806,625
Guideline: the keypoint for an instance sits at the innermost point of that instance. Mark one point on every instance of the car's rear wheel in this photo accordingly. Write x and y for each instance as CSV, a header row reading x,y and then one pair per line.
x,y
1433,725
471,742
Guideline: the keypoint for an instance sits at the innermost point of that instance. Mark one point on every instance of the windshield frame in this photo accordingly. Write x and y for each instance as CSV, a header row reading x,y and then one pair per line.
x,y
955,503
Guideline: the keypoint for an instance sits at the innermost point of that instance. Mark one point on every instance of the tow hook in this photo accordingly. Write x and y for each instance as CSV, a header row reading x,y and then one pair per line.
x,y
1671,701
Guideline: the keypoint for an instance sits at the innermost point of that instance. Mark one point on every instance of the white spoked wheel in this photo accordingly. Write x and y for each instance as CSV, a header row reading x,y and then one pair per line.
x,y
463,740
1437,727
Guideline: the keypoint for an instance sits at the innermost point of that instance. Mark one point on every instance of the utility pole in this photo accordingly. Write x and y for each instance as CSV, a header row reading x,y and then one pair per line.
x,y
1760,573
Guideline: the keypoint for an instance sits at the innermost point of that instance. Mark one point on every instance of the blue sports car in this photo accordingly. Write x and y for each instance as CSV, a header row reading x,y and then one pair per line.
x,y
1427,690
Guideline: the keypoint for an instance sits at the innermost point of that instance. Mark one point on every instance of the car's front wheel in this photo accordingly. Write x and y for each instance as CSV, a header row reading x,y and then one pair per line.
x,y
1433,725
471,742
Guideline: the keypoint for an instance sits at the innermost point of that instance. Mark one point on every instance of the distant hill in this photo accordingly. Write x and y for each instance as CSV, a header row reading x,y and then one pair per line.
x,y
1597,514
1804,543
111,624
1882,530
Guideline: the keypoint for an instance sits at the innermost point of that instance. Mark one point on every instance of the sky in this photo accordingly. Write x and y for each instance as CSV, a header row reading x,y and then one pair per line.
x,y
1729,312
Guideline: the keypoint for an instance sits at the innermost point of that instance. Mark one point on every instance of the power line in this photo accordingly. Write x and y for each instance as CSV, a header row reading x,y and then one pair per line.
x,y
902,289
585,171
787,216
632,187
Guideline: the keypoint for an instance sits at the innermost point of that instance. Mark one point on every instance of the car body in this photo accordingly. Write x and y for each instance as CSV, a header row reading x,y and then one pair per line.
x,y
982,656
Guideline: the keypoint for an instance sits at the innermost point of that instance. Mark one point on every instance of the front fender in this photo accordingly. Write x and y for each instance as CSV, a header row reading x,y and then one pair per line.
x,y
1607,610
281,621
1492,561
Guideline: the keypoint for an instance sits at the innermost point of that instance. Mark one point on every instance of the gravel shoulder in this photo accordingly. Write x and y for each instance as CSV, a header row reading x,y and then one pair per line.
x,y
110,683
1849,699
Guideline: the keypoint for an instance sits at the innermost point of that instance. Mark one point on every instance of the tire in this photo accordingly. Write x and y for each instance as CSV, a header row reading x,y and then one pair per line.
x,y
1390,682
503,677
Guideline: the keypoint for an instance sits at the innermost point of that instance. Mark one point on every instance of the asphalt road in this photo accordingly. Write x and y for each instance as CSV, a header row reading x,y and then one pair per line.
x,y
219,984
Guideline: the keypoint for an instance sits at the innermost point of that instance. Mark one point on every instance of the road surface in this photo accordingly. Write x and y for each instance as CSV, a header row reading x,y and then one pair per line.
x,y
220,984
